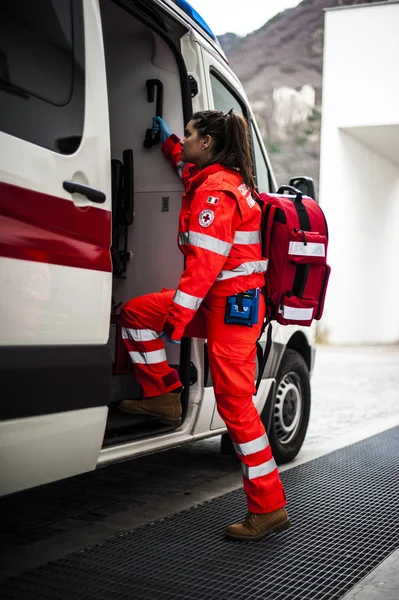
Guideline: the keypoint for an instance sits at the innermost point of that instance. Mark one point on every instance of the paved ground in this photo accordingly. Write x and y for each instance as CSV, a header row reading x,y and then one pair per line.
x,y
352,388
382,583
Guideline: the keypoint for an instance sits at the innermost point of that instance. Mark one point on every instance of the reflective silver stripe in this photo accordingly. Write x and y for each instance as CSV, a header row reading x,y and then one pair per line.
x,y
187,300
311,249
257,266
148,358
247,237
260,470
297,314
256,445
139,335
205,241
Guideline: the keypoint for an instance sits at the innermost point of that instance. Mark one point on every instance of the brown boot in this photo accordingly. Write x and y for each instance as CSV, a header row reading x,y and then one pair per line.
x,y
166,408
258,526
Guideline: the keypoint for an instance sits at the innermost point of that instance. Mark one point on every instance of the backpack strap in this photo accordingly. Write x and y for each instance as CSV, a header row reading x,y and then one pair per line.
x,y
302,271
267,224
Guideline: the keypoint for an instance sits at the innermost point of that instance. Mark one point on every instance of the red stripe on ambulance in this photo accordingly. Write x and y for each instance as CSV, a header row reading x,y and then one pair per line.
x,y
43,228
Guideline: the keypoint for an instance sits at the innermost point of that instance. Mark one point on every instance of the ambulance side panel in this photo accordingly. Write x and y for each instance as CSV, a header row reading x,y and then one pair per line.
x,y
55,266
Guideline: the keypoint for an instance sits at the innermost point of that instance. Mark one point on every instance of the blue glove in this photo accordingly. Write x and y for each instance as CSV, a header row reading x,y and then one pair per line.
x,y
159,125
169,340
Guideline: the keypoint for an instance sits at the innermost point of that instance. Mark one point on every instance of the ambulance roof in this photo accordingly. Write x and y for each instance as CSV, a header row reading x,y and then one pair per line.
x,y
195,16
189,13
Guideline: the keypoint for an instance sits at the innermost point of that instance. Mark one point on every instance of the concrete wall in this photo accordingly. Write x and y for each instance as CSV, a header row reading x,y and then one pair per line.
x,y
359,173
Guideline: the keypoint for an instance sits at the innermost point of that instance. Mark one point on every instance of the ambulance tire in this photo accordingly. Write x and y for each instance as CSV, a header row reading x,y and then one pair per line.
x,y
290,408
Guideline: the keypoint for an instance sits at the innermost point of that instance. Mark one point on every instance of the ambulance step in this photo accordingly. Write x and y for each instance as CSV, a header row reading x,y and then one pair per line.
x,y
123,428
344,510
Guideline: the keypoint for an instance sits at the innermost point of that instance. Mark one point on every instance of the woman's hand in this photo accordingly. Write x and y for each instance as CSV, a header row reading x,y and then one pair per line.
x,y
159,125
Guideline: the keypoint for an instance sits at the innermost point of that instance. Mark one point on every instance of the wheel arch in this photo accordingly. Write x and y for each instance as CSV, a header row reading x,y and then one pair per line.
x,y
300,343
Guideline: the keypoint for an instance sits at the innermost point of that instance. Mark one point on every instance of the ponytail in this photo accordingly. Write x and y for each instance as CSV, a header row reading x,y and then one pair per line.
x,y
230,135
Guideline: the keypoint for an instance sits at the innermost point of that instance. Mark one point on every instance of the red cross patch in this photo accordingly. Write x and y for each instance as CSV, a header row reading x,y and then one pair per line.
x,y
206,217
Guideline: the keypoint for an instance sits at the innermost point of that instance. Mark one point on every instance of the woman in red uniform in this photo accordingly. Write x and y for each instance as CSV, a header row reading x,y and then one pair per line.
x,y
219,235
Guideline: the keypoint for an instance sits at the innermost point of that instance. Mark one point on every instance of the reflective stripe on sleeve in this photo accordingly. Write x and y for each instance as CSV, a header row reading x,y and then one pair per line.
x,y
256,445
311,249
186,300
264,469
139,335
201,240
297,314
247,268
247,237
148,358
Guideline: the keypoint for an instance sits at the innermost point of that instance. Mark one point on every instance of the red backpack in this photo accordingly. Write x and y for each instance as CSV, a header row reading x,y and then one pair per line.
x,y
295,240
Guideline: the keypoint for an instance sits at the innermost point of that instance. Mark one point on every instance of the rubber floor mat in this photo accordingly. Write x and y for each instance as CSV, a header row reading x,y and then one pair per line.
x,y
345,513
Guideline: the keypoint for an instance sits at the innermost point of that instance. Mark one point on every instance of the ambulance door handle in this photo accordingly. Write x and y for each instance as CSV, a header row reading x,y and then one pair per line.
x,y
91,194
152,85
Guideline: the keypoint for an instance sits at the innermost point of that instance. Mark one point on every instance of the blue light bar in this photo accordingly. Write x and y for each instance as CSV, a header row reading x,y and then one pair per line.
x,y
191,12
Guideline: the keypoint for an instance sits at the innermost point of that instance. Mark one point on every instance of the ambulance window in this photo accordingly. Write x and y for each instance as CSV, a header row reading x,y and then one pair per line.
x,y
223,99
42,72
262,172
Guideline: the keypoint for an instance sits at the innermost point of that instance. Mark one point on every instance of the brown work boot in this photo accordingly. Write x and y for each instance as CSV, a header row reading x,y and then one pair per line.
x,y
258,526
165,408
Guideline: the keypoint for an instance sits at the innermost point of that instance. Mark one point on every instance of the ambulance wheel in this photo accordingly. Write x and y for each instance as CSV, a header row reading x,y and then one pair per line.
x,y
291,407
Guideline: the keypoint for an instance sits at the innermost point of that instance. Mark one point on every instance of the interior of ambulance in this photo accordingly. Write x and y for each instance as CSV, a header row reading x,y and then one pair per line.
x,y
144,79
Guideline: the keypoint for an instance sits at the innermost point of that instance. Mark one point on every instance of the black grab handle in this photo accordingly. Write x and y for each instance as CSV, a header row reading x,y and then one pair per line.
x,y
91,194
128,187
152,85
289,188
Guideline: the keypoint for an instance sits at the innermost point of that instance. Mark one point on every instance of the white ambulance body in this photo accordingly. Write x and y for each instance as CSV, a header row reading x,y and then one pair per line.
x,y
76,82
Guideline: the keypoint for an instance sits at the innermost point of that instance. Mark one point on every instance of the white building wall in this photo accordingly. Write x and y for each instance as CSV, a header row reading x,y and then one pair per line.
x,y
359,173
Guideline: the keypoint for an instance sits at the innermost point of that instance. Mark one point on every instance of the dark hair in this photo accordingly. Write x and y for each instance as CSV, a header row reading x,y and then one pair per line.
x,y
230,135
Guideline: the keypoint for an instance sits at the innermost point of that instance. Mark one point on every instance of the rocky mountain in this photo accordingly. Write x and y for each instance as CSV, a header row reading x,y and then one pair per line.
x,y
280,66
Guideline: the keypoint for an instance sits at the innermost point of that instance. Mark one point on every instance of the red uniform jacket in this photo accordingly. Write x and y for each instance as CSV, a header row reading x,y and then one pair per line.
x,y
219,234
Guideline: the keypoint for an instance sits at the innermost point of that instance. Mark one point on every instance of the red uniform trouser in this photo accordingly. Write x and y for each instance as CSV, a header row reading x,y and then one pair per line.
x,y
232,355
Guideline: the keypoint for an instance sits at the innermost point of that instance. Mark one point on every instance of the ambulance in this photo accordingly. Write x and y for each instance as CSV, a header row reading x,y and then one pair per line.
x,y
88,219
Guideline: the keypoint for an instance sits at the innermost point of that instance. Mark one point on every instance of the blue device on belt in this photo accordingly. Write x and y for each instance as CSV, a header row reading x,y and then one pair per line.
x,y
243,308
